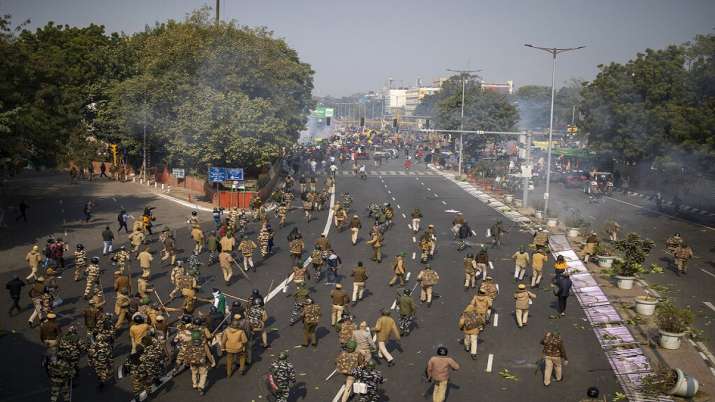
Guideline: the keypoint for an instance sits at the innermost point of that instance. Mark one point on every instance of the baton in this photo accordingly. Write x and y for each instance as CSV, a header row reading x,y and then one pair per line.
x,y
221,323
162,304
241,270
237,298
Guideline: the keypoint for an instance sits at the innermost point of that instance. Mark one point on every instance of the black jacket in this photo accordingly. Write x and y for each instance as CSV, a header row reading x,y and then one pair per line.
x,y
564,284
15,287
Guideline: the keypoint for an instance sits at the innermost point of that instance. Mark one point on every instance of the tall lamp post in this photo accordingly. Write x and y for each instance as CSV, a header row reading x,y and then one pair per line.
x,y
553,51
462,73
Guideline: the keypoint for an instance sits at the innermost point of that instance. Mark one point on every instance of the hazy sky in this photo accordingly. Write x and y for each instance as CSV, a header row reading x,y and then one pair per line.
x,y
356,45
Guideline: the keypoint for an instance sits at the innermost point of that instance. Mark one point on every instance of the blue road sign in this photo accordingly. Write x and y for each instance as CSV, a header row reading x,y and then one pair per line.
x,y
235,174
217,174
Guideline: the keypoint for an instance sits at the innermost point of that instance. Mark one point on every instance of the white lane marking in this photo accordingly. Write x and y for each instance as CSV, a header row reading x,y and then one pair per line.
x,y
414,240
429,189
417,178
708,272
385,185
394,304
331,212
422,183
393,199
703,356
413,255
407,278
497,288
408,225
710,305
399,207
405,217
496,319
339,394
491,265
712,370
474,233
389,192
443,202
652,210
490,361
436,195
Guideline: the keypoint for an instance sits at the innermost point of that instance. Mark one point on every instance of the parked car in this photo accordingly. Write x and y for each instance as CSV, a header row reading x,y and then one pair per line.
x,y
576,179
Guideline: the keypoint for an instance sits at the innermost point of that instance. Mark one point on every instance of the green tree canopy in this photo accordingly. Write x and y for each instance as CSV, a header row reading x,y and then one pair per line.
x,y
660,106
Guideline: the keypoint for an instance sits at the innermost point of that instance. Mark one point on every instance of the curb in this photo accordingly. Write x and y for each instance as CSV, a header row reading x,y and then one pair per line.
x,y
687,208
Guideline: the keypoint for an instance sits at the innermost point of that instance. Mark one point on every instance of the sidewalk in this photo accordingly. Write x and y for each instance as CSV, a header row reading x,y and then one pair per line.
x,y
690,357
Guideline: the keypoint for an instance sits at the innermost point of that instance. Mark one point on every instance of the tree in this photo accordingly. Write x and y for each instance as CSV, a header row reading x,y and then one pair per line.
x,y
483,110
658,107
211,94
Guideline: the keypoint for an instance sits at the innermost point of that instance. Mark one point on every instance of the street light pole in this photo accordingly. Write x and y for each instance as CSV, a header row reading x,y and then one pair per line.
x,y
553,51
462,73
144,141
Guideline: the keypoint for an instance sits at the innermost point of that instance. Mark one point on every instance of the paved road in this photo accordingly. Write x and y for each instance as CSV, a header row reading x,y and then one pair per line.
x,y
638,214
506,346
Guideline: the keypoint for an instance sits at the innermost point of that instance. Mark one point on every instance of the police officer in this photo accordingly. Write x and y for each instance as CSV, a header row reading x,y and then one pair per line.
x,y
339,300
80,262
284,377
355,226
311,317
407,311
347,361
400,269
427,278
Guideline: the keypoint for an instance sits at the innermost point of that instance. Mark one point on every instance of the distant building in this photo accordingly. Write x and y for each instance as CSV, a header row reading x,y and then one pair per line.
x,y
414,96
506,88
395,101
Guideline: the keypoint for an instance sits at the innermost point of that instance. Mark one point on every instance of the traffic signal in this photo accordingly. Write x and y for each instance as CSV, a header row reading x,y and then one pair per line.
x,y
427,124
362,122
394,124
327,121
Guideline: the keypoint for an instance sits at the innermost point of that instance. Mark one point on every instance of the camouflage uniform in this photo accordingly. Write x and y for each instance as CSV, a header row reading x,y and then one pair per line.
x,y
194,264
69,349
60,373
299,296
284,376
151,365
122,258
99,356
92,287
372,378
264,238
80,263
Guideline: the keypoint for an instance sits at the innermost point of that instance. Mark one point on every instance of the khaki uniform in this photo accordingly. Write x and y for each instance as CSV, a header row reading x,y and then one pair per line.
x,y
376,243
198,237
428,279
122,284
471,323
33,258
227,244
355,226
121,309
144,287
521,261
385,329
400,270
145,258
554,356
522,299
339,299
299,274
470,272
234,343
359,276
537,267
323,244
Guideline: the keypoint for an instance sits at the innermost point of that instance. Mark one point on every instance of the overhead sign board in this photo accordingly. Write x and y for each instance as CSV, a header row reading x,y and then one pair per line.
x,y
217,174
178,173
235,174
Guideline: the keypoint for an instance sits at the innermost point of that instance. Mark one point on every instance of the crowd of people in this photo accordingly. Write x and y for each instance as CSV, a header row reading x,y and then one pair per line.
x,y
195,337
